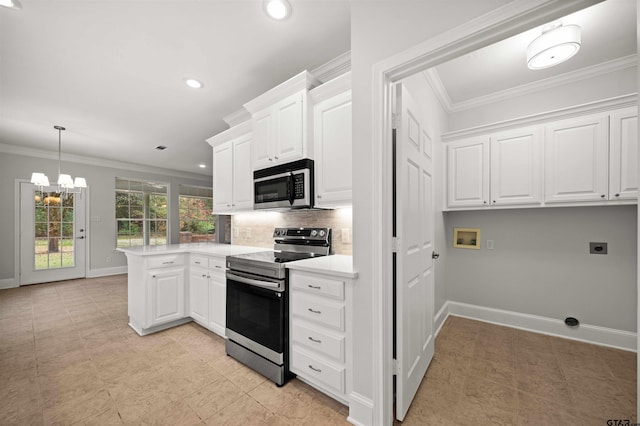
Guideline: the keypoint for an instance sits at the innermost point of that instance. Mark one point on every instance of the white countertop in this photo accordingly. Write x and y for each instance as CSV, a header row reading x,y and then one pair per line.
x,y
198,248
337,264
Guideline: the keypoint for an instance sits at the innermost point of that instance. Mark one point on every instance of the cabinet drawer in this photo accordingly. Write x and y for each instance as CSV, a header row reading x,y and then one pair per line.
x,y
329,375
165,261
319,341
321,286
217,264
198,261
322,311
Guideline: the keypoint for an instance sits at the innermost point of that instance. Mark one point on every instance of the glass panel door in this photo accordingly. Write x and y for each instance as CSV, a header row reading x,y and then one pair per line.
x,y
52,243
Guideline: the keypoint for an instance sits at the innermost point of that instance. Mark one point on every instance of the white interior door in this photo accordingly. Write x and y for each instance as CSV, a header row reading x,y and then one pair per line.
x,y
52,234
414,279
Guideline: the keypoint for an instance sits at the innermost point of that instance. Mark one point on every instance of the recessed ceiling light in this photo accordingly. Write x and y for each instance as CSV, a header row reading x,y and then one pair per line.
x,y
11,4
202,166
192,82
277,9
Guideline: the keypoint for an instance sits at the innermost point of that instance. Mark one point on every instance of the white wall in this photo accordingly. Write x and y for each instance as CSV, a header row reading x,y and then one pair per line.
x,y
101,181
541,263
605,86
423,94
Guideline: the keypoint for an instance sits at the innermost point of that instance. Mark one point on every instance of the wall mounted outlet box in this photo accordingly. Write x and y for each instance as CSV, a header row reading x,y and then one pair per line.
x,y
598,248
468,238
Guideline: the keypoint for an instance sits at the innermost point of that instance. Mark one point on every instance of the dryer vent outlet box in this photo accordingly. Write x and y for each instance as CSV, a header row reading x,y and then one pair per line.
x,y
598,248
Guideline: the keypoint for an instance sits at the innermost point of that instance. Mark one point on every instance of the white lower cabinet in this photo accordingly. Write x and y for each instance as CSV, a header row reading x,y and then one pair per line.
x,y
156,291
207,292
320,330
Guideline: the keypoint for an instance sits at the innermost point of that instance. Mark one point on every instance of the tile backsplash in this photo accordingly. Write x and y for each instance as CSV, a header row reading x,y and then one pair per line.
x,y
256,228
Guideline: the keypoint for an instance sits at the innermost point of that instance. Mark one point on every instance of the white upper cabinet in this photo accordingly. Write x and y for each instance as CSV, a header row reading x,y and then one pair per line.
x,y
516,167
332,142
280,123
468,172
623,157
577,159
232,175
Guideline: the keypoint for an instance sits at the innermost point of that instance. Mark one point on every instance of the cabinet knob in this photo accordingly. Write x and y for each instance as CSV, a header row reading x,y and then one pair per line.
x,y
494,201
204,275
153,276
270,159
617,195
233,205
275,158
319,196
484,202
602,196
228,205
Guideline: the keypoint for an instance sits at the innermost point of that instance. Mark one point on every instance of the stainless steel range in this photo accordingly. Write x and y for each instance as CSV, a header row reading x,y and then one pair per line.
x,y
257,326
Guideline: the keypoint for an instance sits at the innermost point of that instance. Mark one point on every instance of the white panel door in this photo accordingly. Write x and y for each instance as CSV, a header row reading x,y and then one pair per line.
x,y
52,234
468,172
288,137
577,159
223,178
516,168
332,145
623,148
414,282
242,174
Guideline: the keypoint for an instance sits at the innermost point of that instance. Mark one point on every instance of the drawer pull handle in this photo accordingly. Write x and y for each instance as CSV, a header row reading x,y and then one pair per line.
x,y
314,340
315,287
204,275
314,311
218,266
197,262
167,263
317,370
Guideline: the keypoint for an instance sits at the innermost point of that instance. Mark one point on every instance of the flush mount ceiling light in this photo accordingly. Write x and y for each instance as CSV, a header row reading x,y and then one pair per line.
x,y
277,9
193,83
556,44
65,182
11,4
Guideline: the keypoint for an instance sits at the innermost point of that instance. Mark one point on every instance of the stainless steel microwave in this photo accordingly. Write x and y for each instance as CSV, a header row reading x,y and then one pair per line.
x,y
285,186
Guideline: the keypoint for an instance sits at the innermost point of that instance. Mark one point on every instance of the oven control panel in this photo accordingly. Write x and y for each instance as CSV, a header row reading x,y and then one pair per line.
x,y
302,233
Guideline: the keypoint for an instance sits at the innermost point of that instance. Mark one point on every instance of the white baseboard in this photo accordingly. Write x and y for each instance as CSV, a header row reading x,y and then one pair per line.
x,y
603,336
103,272
8,283
360,410
440,318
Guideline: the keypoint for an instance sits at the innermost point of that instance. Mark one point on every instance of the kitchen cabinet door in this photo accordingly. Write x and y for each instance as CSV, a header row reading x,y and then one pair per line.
x,y
223,178
332,147
288,138
242,174
199,295
577,159
167,295
468,172
217,302
623,148
262,136
516,168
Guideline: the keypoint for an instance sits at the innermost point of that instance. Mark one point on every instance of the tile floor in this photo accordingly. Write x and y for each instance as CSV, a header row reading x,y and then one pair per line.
x,y
484,374
68,357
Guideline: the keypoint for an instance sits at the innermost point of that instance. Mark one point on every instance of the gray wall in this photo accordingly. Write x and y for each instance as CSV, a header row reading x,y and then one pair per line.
x,y
101,181
541,263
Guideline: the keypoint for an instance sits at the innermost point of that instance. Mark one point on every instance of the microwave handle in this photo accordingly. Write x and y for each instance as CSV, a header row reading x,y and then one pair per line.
x,y
292,188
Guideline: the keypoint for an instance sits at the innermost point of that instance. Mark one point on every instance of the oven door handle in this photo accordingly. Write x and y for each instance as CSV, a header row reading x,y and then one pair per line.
x,y
250,281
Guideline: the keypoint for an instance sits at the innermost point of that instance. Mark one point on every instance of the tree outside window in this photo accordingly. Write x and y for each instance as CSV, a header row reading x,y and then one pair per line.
x,y
197,222
141,213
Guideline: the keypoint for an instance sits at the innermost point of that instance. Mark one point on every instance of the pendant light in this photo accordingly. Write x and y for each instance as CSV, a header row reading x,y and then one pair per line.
x,y
65,181
556,44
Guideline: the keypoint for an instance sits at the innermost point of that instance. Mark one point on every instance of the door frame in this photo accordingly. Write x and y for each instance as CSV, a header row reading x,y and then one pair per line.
x,y
509,20
16,228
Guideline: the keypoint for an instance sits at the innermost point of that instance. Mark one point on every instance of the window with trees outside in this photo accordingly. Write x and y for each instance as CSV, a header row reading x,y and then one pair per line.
x,y
141,213
197,222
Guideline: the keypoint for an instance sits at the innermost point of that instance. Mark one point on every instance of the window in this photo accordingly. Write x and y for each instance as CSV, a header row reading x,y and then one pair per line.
x,y
141,213
197,222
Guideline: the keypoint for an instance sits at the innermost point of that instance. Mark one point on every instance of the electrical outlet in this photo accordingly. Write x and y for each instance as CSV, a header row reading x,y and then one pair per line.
x,y
346,235
598,248
489,244
108,259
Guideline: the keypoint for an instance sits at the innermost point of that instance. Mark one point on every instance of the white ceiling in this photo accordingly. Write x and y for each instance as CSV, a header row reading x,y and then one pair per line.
x,y
608,34
112,71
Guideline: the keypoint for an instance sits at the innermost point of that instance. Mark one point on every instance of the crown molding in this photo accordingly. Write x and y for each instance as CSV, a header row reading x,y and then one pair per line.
x,y
617,102
433,78
237,117
334,68
94,161
302,81
232,133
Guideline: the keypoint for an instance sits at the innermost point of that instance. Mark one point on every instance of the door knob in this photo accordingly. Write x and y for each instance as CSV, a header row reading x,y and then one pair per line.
x,y
435,255
81,237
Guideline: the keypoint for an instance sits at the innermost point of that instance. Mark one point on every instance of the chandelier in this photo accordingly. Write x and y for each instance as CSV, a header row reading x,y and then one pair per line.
x,y
65,182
